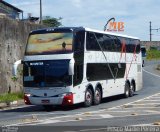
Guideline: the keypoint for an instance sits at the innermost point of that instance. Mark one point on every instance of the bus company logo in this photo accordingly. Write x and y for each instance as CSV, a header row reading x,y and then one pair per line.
x,y
111,25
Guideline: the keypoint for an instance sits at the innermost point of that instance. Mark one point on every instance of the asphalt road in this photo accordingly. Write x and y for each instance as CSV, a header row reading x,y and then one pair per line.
x,y
141,109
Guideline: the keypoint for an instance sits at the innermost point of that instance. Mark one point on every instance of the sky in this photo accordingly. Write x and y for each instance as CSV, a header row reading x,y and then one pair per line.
x,y
136,14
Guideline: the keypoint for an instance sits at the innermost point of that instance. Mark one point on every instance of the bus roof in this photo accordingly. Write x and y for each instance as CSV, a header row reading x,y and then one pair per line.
x,y
109,33
79,28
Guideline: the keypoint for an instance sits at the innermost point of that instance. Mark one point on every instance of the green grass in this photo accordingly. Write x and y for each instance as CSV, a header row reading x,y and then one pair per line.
x,y
10,97
153,54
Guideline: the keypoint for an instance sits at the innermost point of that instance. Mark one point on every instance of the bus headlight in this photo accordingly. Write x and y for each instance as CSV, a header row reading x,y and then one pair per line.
x,y
27,94
65,94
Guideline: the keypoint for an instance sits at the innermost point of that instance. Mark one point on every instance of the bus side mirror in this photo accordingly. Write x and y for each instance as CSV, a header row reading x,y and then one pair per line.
x,y
15,66
71,67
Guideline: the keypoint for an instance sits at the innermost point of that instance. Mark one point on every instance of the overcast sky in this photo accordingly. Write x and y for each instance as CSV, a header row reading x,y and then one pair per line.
x,y
135,14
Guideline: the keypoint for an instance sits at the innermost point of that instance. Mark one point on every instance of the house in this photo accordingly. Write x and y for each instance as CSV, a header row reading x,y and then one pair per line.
x,y
9,10
149,44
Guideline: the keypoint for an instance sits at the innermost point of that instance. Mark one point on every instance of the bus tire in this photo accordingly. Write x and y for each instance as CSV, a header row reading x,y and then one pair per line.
x,y
97,96
131,90
126,90
88,98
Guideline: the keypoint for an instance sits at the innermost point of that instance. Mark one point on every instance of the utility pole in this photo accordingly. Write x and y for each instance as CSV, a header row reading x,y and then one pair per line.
x,y
150,30
40,11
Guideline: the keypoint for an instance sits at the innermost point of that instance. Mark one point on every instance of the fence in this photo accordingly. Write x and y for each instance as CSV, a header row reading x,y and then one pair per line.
x,y
13,37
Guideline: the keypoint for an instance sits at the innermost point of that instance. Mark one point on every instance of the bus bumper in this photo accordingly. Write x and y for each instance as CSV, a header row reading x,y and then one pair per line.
x,y
64,99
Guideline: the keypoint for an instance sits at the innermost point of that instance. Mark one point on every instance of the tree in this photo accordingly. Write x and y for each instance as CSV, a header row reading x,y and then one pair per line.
x,y
51,21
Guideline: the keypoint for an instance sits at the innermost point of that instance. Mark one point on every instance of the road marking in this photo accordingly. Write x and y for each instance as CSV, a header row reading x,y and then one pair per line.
x,y
139,107
106,116
115,107
96,118
61,118
90,130
51,120
147,100
151,73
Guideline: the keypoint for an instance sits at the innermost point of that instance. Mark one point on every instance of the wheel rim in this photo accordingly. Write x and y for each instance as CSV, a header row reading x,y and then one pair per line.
x,y
131,90
88,97
97,96
127,92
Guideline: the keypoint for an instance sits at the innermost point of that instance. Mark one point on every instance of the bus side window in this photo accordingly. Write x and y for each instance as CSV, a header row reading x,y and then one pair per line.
x,y
100,43
108,43
138,48
92,42
114,44
118,43
128,45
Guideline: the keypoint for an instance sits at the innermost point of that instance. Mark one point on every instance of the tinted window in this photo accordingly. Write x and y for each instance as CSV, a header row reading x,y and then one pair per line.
x,y
108,42
100,71
138,48
118,43
92,42
78,74
79,41
46,74
96,41
131,45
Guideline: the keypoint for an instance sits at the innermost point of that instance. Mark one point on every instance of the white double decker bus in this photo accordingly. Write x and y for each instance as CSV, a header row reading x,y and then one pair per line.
x,y
70,65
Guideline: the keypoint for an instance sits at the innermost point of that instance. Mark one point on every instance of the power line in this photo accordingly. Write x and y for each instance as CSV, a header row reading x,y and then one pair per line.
x,y
150,30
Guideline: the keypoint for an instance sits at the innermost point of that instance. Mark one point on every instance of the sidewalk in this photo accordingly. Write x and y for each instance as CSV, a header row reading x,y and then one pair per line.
x,y
11,104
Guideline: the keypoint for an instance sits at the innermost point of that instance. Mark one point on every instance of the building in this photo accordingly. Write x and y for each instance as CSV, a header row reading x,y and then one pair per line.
x,y
149,44
9,10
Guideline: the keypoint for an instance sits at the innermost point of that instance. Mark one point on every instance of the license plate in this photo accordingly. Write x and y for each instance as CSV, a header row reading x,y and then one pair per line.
x,y
45,101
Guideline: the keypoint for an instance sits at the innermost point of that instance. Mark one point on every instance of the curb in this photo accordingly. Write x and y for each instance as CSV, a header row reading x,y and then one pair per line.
x,y
11,104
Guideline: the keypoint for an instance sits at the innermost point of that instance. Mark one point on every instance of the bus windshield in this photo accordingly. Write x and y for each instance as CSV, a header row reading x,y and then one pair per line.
x,y
49,43
46,74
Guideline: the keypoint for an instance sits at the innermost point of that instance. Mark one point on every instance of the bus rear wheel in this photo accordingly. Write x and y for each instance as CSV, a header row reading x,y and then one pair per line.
x,y
97,96
131,90
126,90
88,98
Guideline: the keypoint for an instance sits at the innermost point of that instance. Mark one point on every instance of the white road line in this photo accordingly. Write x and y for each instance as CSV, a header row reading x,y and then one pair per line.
x,y
151,73
147,100
146,104
132,102
121,111
138,107
106,116
156,97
